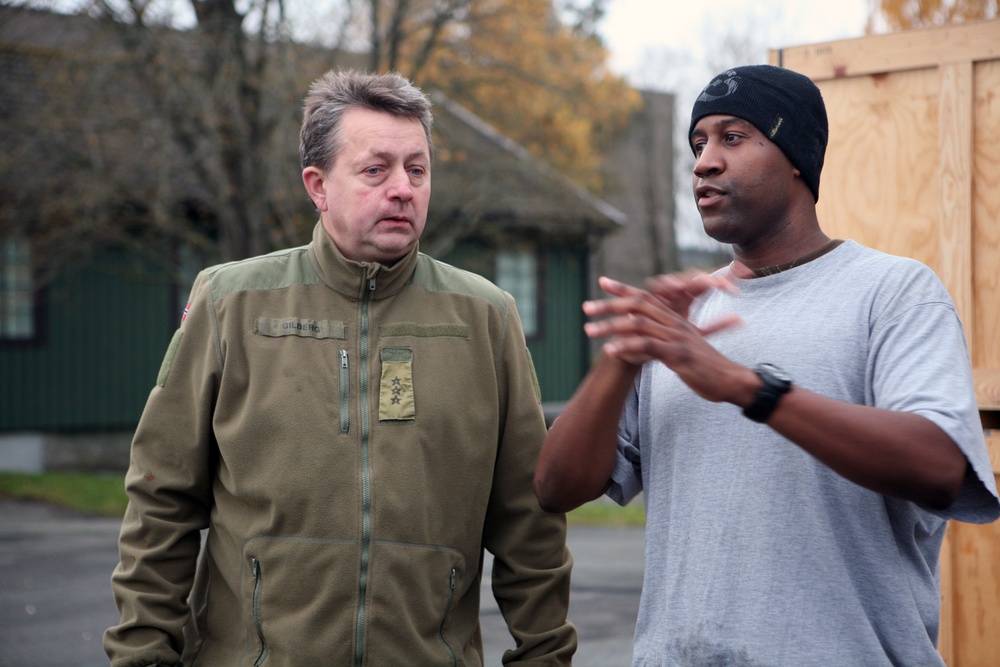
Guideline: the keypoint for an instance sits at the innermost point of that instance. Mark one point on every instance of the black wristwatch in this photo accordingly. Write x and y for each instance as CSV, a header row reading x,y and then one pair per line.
x,y
777,383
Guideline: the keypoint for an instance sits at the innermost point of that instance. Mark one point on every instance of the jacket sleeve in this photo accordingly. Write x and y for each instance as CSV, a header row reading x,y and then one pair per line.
x,y
531,563
169,490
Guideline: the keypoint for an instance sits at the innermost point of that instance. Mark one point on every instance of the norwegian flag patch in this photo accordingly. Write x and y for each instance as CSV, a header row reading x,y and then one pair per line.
x,y
185,313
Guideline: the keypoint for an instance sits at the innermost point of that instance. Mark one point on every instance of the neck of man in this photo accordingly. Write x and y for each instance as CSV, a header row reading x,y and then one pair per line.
x,y
778,256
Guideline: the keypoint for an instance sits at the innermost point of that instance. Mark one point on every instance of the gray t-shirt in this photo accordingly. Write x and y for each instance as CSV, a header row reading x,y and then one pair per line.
x,y
756,553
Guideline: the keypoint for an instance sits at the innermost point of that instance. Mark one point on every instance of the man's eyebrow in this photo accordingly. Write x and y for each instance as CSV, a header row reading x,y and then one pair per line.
x,y
731,120
721,124
386,155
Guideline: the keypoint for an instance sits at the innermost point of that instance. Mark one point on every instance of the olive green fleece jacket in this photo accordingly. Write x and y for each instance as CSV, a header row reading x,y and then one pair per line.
x,y
352,436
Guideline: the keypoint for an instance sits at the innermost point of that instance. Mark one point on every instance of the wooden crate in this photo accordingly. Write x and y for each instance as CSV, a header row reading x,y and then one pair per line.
x,y
913,168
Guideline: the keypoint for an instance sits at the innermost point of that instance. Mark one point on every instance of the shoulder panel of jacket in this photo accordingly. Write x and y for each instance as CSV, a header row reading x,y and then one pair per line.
x,y
275,270
437,276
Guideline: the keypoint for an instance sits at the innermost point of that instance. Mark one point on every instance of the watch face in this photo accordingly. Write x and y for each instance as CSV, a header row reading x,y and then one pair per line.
x,y
776,372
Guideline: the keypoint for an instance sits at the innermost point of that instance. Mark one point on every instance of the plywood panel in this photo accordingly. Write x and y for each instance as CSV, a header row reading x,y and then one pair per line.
x,y
986,214
987,381
976,591
880,182
970,586
909,50
993,445
954,260
975,585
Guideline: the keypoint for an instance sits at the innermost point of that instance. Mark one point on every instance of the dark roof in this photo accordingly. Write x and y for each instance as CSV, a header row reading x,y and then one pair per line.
x,y
486,175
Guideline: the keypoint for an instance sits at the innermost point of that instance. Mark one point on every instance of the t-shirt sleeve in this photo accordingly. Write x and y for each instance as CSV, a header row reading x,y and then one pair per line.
x,y
626,478
920,364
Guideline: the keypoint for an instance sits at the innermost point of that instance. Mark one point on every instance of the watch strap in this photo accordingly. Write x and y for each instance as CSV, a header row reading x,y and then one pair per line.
x,y
775,384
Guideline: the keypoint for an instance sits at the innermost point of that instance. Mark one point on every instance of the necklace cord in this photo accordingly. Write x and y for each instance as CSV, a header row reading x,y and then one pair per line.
x,y
798,261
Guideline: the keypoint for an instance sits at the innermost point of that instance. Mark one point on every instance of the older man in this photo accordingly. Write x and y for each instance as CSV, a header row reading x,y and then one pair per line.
x,y
353,422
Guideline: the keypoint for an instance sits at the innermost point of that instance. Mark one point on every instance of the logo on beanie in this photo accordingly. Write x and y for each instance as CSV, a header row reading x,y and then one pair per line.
x,y
714,91
774,130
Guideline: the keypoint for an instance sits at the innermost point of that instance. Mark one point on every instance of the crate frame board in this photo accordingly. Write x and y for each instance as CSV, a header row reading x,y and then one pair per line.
x,y
913,168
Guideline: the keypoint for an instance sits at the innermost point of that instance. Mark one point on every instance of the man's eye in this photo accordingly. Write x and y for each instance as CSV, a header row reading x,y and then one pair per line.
x,y
373,170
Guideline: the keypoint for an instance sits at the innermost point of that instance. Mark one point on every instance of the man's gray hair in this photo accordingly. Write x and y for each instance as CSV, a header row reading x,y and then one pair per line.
x,y
339,90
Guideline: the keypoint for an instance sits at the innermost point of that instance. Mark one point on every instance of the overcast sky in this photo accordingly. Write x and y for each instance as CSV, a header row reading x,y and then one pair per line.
x,y
632,27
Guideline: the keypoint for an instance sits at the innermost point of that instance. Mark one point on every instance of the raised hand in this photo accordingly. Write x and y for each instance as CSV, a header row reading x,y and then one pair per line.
x,y
644,325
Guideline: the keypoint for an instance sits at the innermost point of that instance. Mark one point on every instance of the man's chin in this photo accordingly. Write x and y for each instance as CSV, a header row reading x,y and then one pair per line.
x,y
718,230
389,254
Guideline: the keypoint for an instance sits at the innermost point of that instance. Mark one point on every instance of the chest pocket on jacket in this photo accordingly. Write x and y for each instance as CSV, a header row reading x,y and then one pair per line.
x,y
395,394
397,399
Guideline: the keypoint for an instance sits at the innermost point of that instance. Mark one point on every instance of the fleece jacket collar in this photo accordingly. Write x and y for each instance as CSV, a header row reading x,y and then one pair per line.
x,y
351,278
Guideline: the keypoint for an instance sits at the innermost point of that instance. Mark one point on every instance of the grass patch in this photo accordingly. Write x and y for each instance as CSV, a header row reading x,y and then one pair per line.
x,y
103,495
605,513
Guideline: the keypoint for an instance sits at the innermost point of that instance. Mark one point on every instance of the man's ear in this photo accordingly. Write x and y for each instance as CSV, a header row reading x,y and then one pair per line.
x,y
315,182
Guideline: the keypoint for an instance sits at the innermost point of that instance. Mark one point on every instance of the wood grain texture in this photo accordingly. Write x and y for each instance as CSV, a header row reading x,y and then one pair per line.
x,y
975,585
880,181
986,214
987,381
907,50
954,257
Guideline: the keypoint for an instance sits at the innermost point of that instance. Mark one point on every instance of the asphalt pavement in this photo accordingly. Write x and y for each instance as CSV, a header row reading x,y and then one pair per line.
x,y
55,595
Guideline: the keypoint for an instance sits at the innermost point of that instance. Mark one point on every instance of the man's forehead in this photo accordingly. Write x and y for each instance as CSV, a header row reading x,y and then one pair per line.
x,y
719,121
388,145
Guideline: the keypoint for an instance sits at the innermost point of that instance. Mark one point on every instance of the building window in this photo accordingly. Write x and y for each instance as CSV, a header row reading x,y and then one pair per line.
x,y
517,273
17,299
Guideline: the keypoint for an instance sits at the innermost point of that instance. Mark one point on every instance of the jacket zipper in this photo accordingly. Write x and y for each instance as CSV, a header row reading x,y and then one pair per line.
x,y
366,496
345,394
444,621
257,583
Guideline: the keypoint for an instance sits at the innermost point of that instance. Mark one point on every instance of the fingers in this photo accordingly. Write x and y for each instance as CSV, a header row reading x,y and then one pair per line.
x,y
617,288
675,291
634,349
624,353
669,297
640,323
644,325
686,287
628,305
725,322
627,300
628,324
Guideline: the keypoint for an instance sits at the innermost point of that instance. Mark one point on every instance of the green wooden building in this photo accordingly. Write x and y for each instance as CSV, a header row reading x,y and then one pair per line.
x,y
79,355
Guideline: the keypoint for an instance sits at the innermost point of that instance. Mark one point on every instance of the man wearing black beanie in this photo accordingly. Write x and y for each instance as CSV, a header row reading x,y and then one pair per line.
x,y
802,423
785,106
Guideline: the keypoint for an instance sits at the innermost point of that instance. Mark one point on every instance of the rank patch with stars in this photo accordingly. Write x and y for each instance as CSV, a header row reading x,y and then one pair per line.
x,y
396,402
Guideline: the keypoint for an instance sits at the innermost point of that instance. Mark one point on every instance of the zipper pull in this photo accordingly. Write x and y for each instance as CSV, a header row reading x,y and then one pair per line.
x,y
371,284
343,358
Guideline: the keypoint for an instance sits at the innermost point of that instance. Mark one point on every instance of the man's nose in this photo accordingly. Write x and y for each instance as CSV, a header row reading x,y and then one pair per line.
x,y
400,186
708,161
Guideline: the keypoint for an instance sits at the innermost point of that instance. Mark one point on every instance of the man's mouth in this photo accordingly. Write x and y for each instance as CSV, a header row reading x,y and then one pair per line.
x,y
708,195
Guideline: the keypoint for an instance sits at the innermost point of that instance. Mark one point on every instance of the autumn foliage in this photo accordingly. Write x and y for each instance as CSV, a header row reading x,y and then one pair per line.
x,y
898,15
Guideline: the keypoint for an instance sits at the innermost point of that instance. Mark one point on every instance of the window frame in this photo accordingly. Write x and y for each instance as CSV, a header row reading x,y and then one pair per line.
x,y
36,298
538,277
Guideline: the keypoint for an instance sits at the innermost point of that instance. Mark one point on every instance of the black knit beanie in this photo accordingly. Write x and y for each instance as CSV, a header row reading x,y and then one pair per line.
x,y
785,105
